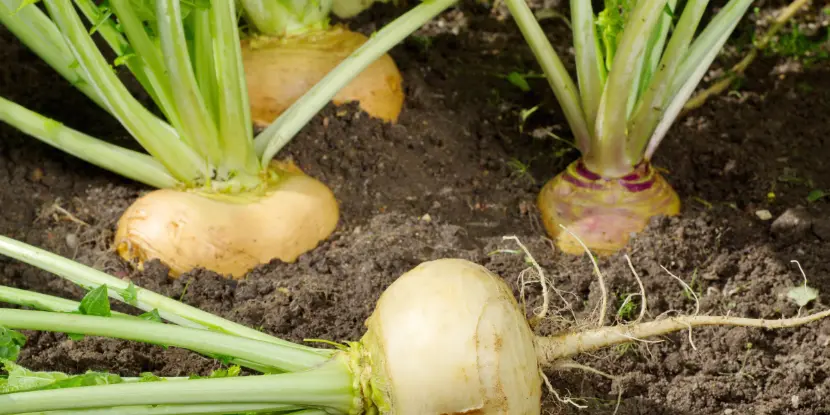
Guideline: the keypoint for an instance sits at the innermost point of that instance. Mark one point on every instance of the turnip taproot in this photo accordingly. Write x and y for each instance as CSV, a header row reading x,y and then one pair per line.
x,y
447,337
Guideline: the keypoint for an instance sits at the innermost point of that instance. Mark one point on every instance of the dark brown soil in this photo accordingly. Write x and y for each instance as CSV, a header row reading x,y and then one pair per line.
x,y
441,183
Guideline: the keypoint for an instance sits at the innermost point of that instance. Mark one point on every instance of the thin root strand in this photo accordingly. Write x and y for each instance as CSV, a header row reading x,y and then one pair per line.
x,y
553,349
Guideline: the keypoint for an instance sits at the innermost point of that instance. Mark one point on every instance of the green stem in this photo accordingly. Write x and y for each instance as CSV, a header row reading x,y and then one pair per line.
x,y
560,81
105,26
721,24
148,55
36,300
590,66
329,386
169,309
278,134
158,138
39,33
128,163
690,81
203,59
234,110
653,104
56,304
656,48
198,340
198,128
211,409
607,156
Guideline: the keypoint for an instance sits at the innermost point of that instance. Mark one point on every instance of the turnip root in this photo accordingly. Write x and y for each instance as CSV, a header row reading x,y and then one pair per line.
x,y
279,70
229,234
448,337
601,212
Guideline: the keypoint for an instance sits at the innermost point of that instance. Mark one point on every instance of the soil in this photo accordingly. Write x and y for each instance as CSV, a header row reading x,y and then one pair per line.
x,y
458,173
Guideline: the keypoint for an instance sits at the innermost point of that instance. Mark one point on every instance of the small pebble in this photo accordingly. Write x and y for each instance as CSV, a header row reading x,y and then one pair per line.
x,y
763,214
71,240
792,225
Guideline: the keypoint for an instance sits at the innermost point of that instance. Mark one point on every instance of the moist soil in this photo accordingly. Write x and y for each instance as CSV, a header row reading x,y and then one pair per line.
x,y
456,174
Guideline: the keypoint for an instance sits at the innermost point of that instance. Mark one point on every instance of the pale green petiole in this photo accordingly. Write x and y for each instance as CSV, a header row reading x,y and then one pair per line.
x,y
656,46
653,69
204,409
200,133
591,71
235,125
560,81
37,301
723,23
202,57
653,103
329,386
158,138
688,84
38,33
169,309
109,32
609,139
278,134
197,340
131,164
148,56
45,302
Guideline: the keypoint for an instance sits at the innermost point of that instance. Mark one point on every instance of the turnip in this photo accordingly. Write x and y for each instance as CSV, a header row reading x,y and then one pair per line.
x,y
447,337
223,203
633,82
294,47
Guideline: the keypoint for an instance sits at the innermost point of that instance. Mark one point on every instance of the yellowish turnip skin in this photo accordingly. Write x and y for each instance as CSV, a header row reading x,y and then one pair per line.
x,y
448,337
602,213
280,70
186,230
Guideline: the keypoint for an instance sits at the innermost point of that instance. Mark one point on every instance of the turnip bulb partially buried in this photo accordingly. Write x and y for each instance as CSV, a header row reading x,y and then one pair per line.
x,y
279,70
448,337
603,213
229,234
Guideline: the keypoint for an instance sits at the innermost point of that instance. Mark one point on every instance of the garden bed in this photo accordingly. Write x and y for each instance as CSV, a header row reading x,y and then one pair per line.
x,y
458,173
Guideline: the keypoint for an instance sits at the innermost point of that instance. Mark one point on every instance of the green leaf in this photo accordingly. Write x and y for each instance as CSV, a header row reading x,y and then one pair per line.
x,y
20,379
149,377
87,379
151,316
519,81
816,195
123,59
10,344
611,22
230,372
106,13
130,294
96,303
802,295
